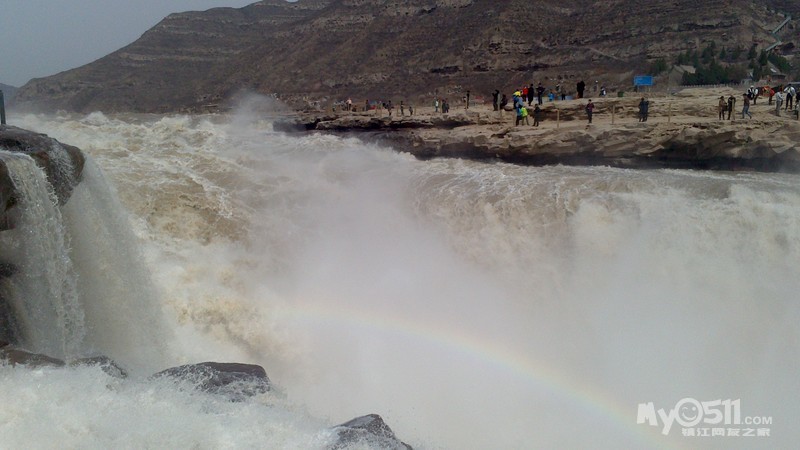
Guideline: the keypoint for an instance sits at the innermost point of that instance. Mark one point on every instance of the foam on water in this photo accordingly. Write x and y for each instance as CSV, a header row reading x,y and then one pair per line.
x,y
84,408
43,291
471,305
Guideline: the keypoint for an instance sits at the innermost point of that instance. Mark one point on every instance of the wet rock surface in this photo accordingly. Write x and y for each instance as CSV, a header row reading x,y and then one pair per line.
x,y
234,380
62,163
368,430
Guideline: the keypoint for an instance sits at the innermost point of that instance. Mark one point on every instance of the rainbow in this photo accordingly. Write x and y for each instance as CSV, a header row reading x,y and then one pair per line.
x,y
541,375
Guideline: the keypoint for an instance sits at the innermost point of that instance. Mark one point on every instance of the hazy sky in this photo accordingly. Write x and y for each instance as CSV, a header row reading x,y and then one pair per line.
x,y
43,37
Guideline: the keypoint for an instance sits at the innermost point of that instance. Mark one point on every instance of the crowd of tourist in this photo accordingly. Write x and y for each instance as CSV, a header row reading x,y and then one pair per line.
x,y
526,101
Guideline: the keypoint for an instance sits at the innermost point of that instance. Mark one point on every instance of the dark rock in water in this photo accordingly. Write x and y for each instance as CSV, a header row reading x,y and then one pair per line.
x,y
233,380
370,430
7,197
62,163
293,126
108,365
15,356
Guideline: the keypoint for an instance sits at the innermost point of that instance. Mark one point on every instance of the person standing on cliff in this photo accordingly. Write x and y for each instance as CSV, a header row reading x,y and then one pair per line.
x,y
467,99
752,94
731,105
641,110
539,93
503,102
531,92
722,107
436,105
590,110
790,94
495,94
402,109
537,112
778,103
518,107
644,109
746,107
580,87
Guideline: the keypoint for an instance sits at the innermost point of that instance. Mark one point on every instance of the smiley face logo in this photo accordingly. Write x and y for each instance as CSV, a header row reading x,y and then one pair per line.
x,y
689,412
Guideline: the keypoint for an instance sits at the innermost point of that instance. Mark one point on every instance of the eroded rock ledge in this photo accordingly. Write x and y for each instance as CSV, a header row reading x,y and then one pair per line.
x,y
767,144
62,163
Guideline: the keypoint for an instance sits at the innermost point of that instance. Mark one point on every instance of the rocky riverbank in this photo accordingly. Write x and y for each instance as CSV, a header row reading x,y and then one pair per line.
x,y
682,131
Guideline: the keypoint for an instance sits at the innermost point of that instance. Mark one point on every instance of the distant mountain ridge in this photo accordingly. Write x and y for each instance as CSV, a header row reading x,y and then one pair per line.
x,y
382,48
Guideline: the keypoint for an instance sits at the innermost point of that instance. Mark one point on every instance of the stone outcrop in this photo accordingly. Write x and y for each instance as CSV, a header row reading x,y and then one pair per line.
x,y
233,380
678,134
16,356
106,364
12,355
368,430
62,163
331,49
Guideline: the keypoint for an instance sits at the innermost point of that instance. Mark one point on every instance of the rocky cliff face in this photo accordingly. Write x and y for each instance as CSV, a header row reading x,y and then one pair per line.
x,y
385,48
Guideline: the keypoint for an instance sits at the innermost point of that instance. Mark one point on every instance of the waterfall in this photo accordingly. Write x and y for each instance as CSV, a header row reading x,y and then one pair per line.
x,y
42,294
79,286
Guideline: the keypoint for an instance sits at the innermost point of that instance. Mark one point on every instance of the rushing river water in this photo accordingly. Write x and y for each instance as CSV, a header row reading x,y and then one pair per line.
x,y
472,305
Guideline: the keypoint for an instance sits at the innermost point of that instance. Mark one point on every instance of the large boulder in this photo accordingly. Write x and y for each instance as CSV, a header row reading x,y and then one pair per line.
x,y
368,430
233,380
7,197
16,356
62,163
12,355
106,364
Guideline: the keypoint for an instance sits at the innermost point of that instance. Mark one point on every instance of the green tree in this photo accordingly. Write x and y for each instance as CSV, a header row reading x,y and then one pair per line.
x,y
723,54
737,53
658,66
758,71
752,53
780,62
763,58
708,53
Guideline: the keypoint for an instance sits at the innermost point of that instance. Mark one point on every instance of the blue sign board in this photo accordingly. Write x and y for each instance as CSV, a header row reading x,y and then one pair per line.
x,y
643,80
